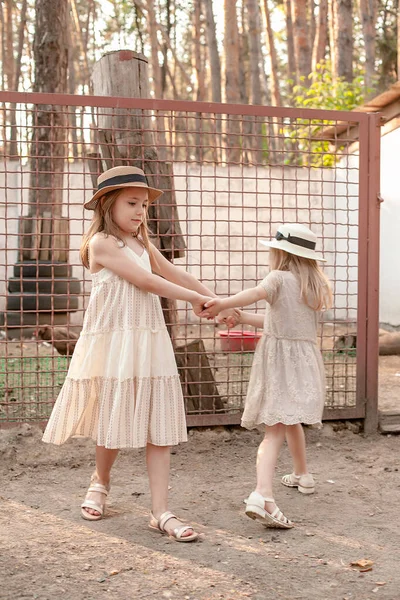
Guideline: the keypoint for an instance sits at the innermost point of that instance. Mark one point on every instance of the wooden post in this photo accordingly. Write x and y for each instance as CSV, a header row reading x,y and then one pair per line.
x,y
125,136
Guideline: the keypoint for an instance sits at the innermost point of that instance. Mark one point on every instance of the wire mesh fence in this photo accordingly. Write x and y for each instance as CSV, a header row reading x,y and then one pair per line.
x,y
230,175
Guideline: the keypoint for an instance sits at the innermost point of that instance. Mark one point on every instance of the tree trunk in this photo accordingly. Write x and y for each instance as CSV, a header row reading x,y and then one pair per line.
x,y
313,24
398,43
215,69
332,38
49,139
302,46
254,32
199,69
44,234
127,137
368,14
343,38
152,31
273,58
215,62
8,65
13,149
164,48
321,34
292,74
232,82
254,57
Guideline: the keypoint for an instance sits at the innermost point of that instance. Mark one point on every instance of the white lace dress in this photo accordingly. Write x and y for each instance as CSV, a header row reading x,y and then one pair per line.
x,y
287,381
122,388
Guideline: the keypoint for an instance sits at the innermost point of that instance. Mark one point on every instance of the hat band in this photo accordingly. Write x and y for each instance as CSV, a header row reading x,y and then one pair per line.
x,y
119,179
296,241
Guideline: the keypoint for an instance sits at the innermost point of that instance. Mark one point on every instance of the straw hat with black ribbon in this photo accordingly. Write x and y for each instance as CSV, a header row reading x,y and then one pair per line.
x,y
121,177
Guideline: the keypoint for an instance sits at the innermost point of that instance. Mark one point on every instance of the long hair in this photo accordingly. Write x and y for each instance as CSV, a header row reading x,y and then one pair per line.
x,y
102,221
315,288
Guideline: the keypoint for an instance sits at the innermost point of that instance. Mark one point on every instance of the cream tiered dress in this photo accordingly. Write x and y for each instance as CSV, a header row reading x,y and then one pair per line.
x,y
287,381
122,388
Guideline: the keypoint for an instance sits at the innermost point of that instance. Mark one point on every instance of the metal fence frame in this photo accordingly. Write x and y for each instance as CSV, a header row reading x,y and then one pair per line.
x,y
368,245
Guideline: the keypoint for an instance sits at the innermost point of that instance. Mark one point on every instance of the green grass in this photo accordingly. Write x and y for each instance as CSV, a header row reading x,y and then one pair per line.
x,y
29,386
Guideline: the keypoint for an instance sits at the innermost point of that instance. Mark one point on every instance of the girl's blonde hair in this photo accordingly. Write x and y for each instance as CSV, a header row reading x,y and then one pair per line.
x,y
314,285
102,221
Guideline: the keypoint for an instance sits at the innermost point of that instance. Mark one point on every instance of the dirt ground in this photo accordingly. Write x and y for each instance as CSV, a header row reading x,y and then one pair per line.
x,y
47,551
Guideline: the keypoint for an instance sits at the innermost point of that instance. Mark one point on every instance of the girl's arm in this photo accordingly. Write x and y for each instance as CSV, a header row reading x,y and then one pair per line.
x,y
243,318
177,275
246,318
107,252
214,306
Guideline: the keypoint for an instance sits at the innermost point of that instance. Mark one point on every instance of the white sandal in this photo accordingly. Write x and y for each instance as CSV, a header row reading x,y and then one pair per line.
x,y
255,509
304,483
177,533
100,508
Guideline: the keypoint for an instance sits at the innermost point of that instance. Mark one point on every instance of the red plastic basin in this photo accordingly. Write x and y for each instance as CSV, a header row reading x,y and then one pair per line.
x,y
239,341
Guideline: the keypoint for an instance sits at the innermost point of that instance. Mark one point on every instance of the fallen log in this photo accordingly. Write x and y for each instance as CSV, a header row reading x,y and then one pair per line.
x,y
389,342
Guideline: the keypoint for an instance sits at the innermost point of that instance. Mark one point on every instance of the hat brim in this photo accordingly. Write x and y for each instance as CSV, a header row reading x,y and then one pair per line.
x,y
92,203
293,249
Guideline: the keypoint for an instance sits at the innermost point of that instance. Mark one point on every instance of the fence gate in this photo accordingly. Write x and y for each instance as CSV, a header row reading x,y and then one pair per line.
x,y
231,175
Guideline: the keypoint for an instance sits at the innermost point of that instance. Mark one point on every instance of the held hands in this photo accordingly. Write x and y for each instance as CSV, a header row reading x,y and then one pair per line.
x,y
212,308
209,308
231,317
199,304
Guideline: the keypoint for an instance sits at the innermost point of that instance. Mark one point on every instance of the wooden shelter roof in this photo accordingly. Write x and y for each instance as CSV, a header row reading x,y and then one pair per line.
x,y
387,104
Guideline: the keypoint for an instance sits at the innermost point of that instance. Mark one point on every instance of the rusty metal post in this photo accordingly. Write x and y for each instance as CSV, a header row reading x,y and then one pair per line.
x,y
373,207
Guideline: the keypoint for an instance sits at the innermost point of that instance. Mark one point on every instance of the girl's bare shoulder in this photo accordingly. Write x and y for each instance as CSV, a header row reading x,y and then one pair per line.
x,y
101,242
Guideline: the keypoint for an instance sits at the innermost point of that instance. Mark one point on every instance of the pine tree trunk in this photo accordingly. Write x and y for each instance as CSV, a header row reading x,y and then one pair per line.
x,y
13,147
343,38
199,69
153,27
215,62
232,83
215,68
292,75
254,23
368,14
273,58
398,43
332,38
313,24
321,34
152,31
302,45
255,58
49,140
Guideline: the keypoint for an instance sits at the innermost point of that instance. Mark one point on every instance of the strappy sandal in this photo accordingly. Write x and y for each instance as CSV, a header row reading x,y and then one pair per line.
x,y
100,508
255,509
304,483
177,534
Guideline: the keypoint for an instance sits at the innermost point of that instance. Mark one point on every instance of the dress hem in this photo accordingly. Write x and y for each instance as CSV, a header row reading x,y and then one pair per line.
x,y
123,447
271,422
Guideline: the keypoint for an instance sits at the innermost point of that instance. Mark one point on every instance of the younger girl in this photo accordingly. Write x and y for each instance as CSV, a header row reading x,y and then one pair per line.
x,y
287,382
122,388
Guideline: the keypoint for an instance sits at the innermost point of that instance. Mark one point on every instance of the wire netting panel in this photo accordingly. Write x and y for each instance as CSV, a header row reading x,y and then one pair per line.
x,y
229,181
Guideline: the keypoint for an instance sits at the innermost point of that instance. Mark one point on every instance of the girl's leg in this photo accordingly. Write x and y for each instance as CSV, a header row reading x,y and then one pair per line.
x,y
297,447
105,459
158,464
267,457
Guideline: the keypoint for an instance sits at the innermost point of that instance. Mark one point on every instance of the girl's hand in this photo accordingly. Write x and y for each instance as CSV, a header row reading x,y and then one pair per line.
x,y
198,305
212,308
231,317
